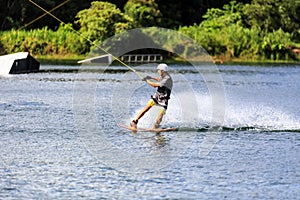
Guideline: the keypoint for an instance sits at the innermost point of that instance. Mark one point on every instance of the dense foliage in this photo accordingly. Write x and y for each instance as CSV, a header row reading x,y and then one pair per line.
x,y
257,29
238,31
101,21
143,13
42,41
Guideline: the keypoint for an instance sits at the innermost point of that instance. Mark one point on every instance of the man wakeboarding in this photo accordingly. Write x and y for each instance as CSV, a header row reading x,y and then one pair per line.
x,y
164,85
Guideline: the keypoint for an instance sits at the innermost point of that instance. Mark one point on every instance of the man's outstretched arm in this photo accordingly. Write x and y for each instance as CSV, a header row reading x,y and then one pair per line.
x,y
153,84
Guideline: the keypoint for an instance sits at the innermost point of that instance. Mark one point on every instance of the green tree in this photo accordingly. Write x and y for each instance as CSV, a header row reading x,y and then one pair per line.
x,y
274,45
240,41
218,33
216,19
228,31
272,15
101,21
144,13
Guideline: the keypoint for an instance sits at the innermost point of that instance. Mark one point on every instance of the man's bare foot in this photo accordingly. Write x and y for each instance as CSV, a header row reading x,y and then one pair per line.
x,y
133,124
156,126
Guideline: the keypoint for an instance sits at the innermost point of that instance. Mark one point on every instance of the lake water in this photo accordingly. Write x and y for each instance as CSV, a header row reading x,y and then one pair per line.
x,y
238,138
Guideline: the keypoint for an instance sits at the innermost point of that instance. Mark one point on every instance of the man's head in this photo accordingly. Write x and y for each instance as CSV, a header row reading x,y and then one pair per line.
x,y
162,68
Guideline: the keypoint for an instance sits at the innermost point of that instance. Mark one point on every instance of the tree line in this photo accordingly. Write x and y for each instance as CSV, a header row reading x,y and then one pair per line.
x,y
263,29
257,29
174,13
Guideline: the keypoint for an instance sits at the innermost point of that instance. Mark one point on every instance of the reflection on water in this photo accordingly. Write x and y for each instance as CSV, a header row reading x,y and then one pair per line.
x,y
44,155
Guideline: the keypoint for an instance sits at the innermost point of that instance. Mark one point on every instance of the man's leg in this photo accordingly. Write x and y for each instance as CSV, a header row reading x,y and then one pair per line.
x,y
161,114
141,113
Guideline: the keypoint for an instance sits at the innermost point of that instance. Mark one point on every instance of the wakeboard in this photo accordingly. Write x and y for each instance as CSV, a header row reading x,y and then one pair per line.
x,y
155,130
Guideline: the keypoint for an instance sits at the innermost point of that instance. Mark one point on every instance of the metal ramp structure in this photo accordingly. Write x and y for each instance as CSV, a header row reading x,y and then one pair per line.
x,y
17,63
141,58
127,58
103,59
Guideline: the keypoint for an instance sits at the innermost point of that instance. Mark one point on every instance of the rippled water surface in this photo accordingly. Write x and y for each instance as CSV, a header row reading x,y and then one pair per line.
x,y
60,138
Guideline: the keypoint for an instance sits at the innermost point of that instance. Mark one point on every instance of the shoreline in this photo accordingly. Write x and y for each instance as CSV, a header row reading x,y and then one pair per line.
x,y
73,59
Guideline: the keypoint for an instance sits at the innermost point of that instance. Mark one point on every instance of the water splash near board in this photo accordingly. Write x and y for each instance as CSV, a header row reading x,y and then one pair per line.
x,y
239,116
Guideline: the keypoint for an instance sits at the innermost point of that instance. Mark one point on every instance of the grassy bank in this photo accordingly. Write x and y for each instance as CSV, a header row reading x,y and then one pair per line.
x,y
69,59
